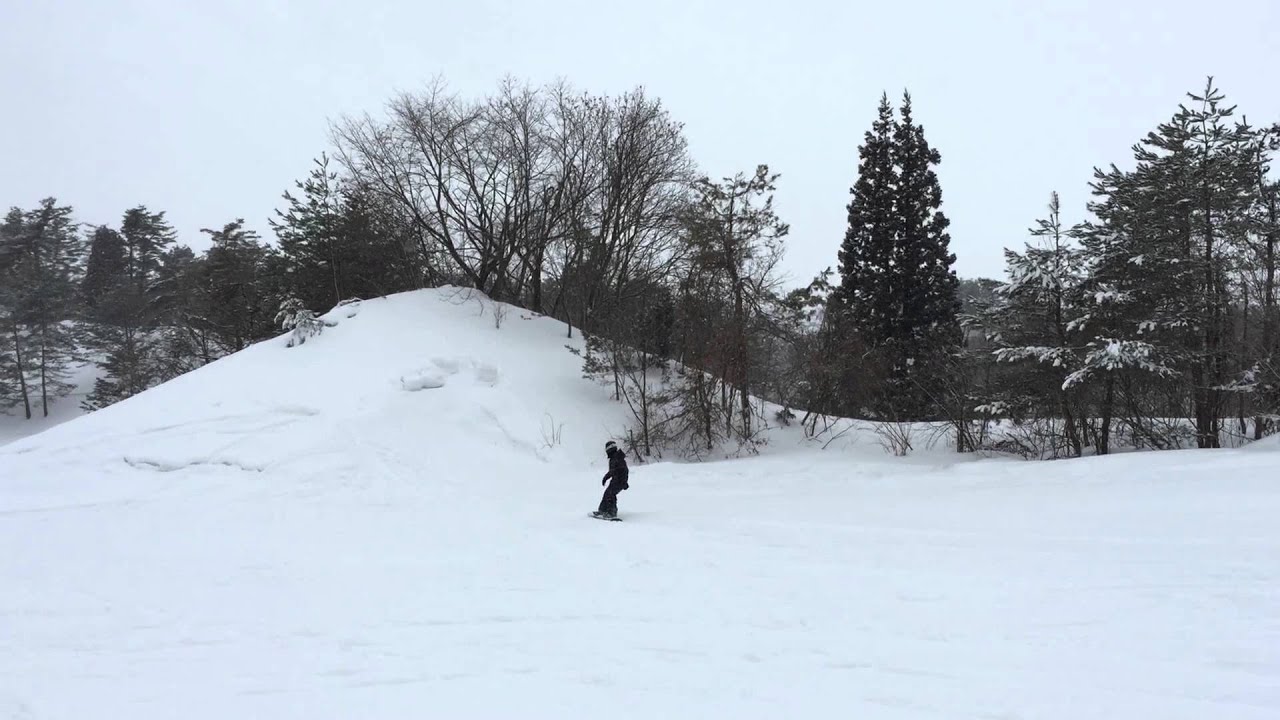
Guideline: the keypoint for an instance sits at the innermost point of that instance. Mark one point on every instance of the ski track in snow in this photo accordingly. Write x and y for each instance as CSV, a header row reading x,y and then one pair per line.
x,y
291,533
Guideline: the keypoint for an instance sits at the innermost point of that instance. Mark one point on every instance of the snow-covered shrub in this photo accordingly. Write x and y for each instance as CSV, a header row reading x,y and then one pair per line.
x,y
351,306
302,321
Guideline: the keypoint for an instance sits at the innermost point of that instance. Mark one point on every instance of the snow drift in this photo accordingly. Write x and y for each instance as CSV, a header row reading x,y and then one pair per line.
x,y
390,521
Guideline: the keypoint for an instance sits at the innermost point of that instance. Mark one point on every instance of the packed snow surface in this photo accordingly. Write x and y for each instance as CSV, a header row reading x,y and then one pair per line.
x,y
391,521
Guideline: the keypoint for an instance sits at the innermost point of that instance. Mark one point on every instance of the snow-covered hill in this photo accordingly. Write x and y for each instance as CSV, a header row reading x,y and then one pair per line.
x,y
390,521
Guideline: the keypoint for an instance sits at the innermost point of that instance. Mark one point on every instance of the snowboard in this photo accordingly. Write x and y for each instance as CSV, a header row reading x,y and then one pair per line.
x,y
598,516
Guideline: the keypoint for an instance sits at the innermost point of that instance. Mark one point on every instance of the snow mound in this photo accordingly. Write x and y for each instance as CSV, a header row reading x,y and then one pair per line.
x,y
442,369
390,521
344,391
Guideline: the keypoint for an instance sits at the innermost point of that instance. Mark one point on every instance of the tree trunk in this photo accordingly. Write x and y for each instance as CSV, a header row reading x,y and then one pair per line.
x,y
22,373
337,287
1206,394
725,400
1069,428
1268,287
1104,428
705,399
741,361
132,381
1201,405
44,369
535,302
644,403
1244,426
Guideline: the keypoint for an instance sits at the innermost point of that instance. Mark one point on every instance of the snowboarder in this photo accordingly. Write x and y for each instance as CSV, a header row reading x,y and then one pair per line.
x,y
618,475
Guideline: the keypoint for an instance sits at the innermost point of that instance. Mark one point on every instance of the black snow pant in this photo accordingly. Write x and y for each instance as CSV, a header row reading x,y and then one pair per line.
x,y
609,503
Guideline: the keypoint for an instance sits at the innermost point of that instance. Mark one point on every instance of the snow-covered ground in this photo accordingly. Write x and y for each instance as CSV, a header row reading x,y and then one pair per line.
x,y
380,524
14,424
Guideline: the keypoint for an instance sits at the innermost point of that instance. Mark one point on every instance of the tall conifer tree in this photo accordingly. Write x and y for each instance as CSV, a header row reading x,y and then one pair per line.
x,y
897,292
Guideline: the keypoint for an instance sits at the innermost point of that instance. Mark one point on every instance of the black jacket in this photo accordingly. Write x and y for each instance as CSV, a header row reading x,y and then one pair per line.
x,y
618,468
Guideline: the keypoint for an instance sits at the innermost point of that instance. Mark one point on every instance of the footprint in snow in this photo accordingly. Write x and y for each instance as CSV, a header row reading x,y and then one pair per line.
x,y
486,374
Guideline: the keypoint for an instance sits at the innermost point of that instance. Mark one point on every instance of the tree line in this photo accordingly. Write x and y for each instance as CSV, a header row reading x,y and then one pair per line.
x,y
1155,320
1152,323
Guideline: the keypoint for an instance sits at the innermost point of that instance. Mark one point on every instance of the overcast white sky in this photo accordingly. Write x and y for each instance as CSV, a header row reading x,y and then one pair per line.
x,y
209,110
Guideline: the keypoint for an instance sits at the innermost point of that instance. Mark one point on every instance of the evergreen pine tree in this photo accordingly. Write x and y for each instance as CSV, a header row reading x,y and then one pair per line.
x,y
182,302
897,290
309,234
1167,235
40,258
1034,318
105,272
146,235
126,334
241,310
927,332
864,294
335,245
861,310
379,261
13,381
1267,373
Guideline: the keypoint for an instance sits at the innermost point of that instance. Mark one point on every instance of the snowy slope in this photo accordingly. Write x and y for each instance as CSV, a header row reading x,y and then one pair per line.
x,y
374,525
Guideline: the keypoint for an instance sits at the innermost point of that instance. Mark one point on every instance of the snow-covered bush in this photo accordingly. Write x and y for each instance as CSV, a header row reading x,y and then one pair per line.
x,y
302,321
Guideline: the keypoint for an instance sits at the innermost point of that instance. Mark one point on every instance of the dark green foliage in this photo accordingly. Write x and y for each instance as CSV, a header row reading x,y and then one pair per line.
x,y
928,332
1158,331
183,299
241,300
897,292
146,236
868,253
40,252
105,273
1168,237
1034,321
335,246
125,321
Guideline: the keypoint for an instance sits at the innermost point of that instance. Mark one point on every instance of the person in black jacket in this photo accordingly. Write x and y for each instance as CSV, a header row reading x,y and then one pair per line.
x,y
618,474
